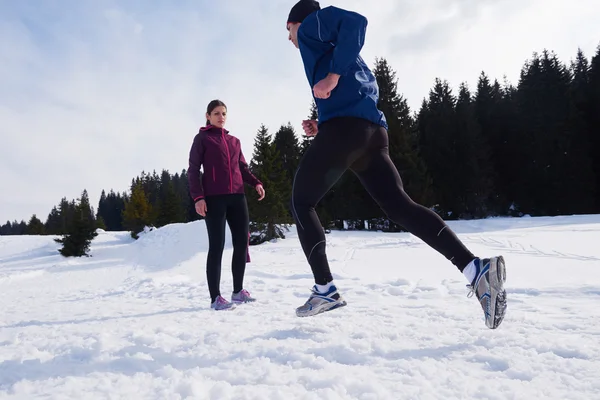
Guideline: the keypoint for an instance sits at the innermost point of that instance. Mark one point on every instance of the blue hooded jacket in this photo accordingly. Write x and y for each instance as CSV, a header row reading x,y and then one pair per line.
x,y
330,40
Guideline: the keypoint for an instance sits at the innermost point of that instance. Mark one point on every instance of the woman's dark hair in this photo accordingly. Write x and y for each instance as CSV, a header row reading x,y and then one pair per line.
x,y
212,105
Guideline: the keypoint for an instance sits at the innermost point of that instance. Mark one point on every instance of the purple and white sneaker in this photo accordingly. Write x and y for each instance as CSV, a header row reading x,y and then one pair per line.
x,y
221,304
243,296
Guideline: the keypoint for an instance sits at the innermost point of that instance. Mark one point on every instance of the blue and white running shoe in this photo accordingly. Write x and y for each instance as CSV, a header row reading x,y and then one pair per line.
x,y
321,302
488,286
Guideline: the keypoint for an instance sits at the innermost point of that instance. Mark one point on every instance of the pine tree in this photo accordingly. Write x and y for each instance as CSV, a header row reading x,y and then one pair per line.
x,y
269,216
455,152
137,212
35,226
508,149
150,184
53,225
580,84
286,143
169,204
582,97
473,174
183,191
64,217
85,202
13,228
6,229
113,211
288,148
593,120
81,232
100,224
19,228
102,208
557,173
495,113
437,126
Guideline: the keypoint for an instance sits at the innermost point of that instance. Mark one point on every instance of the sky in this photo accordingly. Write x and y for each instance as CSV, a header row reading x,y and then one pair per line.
x,y
94,92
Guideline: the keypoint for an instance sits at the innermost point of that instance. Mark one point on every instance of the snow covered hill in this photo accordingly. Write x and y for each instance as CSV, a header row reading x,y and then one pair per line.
x,y
134,320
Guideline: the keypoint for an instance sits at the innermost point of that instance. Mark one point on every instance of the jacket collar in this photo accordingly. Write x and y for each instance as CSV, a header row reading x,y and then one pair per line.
x,y
213,128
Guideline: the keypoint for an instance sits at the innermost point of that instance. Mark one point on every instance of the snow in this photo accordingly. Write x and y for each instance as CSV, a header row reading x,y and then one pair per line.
x,y
133,321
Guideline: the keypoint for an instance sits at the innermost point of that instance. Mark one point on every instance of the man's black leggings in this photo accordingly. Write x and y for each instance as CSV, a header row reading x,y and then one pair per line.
x,y
233,209
361,146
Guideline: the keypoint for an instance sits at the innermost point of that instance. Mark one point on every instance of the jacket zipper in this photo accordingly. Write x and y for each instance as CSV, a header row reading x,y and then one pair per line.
x,y
214,178
228,160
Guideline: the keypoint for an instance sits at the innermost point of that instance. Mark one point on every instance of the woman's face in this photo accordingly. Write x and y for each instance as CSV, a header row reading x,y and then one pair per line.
x,y
217,116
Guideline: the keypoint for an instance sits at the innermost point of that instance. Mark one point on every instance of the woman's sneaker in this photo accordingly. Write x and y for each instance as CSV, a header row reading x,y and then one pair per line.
x,y
243,296
488,286
221,304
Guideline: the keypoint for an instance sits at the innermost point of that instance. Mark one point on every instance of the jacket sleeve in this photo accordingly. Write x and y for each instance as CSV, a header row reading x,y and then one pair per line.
x,y
343,29
247,176
194,175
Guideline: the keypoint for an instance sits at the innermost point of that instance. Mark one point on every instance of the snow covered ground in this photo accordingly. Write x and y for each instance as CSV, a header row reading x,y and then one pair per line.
x,y
133,321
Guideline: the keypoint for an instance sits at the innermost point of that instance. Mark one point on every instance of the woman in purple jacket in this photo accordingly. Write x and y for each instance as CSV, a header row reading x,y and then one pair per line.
x,y
219,196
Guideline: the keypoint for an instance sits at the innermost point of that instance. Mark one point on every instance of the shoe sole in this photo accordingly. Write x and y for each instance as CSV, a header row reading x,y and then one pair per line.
x,y
224,309
497,278
321,309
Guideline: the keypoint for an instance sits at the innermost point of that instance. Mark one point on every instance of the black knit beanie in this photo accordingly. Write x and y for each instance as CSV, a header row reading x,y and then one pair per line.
x,y
303,9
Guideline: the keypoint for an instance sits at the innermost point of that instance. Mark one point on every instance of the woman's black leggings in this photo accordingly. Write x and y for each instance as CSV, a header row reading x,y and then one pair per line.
x,y
361,146
233,209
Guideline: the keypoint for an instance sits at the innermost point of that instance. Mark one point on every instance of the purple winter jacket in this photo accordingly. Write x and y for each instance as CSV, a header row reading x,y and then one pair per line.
x,y
225,168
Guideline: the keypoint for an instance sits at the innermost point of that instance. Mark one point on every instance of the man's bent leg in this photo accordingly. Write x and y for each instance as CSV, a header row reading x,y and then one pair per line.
x,y
318,171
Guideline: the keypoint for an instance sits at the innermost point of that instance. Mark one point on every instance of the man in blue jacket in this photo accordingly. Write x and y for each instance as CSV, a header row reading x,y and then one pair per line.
x,y
352,134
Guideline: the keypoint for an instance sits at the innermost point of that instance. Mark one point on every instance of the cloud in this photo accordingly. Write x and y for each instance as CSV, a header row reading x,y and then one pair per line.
x,y
458,39
97,92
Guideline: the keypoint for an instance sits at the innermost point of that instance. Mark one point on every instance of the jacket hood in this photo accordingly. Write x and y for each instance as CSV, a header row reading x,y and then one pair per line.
x,y
210,127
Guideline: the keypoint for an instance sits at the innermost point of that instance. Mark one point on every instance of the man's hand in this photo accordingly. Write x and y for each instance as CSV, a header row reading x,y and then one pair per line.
x,y
201,207
261,192
310,127
324,87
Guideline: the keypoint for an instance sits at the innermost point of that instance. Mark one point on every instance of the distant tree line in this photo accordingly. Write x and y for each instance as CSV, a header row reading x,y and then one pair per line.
x,y
495,150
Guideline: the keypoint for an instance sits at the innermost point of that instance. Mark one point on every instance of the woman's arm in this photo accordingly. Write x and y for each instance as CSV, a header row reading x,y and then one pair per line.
x,y
195,162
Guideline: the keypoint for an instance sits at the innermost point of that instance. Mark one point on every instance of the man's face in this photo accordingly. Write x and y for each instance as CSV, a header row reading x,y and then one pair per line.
x,y
292,28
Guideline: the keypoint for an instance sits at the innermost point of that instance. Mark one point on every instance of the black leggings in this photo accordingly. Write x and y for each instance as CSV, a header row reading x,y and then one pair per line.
x,y
361,146
233,209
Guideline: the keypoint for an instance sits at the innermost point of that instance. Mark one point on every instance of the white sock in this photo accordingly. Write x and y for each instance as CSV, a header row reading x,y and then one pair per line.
x,y
470,271
324,288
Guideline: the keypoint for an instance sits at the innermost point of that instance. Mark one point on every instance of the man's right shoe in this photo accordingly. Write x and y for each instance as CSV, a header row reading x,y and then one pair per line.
x,y
488,286
321,302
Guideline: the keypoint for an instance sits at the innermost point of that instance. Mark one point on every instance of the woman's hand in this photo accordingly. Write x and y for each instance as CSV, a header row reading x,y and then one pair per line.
x,y
201,207
261,192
